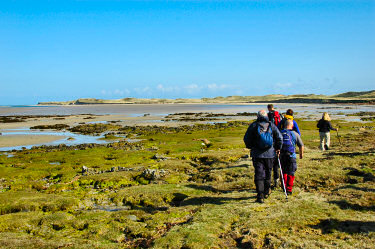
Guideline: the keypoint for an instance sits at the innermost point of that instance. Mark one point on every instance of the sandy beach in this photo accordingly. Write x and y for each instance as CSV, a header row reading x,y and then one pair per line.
x,y
19,140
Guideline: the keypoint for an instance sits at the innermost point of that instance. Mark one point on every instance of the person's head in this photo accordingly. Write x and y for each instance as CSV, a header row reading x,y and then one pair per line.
x,y
289,124
262,114
289,112
270,107
326,117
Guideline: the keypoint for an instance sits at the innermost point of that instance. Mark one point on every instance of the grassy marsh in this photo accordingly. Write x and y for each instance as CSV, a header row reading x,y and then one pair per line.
x,y
194,197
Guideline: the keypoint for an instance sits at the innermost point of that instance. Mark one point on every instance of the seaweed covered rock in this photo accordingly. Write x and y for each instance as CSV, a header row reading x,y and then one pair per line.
x,y
52,127
94,128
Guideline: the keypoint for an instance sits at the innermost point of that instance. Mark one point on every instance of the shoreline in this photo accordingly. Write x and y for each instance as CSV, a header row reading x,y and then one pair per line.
x,y
277,101
146,115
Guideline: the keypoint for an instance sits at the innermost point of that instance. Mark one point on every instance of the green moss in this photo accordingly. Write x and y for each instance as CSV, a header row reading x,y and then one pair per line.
x,y
202,198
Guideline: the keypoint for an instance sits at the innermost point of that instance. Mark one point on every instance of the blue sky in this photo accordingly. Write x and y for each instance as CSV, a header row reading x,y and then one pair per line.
x,y
64,50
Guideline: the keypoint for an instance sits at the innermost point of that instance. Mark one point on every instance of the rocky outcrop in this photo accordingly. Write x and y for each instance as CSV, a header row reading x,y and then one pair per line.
x,y
52,127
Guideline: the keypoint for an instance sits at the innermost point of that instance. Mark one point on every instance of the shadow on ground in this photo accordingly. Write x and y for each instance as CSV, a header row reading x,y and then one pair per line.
x,y
356,188
346,205
346,226
212,200
215,190
351,154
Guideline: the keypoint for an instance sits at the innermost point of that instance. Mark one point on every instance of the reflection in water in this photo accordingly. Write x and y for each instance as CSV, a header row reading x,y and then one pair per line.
x,y
69,138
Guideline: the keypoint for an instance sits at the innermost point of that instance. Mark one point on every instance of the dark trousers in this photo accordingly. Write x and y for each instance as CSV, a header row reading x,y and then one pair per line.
x,y
275,168
263,170
288,164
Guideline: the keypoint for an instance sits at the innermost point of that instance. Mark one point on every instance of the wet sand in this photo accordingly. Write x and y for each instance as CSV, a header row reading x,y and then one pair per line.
x,y
20,140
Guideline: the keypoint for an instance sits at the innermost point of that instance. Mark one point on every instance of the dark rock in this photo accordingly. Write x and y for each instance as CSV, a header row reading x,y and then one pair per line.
x,y
160,157
150,174
119,168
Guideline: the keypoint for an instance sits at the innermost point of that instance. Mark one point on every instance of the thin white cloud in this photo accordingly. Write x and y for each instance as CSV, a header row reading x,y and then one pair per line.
x,y
167,89
215,87
192,89
192,86
283,85
116,92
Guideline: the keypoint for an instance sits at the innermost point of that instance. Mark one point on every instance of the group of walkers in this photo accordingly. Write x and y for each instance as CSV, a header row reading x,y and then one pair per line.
x,y
273,139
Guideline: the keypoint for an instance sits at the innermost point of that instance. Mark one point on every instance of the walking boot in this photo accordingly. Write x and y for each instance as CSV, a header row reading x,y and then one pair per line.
x,y
260,198
267,188
259,184
289,186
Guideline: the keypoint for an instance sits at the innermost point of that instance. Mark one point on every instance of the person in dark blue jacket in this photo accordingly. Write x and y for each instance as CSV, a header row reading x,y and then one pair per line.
x,y
262,157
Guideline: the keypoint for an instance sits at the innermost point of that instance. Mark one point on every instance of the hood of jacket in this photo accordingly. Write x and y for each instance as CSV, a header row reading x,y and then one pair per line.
x,y
262,119
288,117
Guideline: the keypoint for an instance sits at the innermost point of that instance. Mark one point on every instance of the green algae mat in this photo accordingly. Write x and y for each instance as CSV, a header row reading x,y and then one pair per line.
x,y
173,190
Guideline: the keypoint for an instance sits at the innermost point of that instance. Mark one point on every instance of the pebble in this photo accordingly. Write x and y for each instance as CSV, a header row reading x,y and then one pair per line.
x,y
132,217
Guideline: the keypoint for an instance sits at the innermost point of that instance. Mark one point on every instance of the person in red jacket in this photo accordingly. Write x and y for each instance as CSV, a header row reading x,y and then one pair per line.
x,y
275,118
273,115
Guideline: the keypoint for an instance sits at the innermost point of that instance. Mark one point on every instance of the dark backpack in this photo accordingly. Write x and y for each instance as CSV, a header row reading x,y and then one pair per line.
x,y
264,138
289,142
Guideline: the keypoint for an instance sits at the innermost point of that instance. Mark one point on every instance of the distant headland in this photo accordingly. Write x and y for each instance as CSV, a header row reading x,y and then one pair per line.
x,y
365,97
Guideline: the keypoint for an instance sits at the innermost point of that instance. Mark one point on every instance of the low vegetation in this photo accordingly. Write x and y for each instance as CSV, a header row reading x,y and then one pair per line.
x,y
173,189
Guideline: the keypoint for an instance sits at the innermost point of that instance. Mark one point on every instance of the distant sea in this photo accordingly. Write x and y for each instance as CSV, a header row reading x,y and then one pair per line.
x,y
165,109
